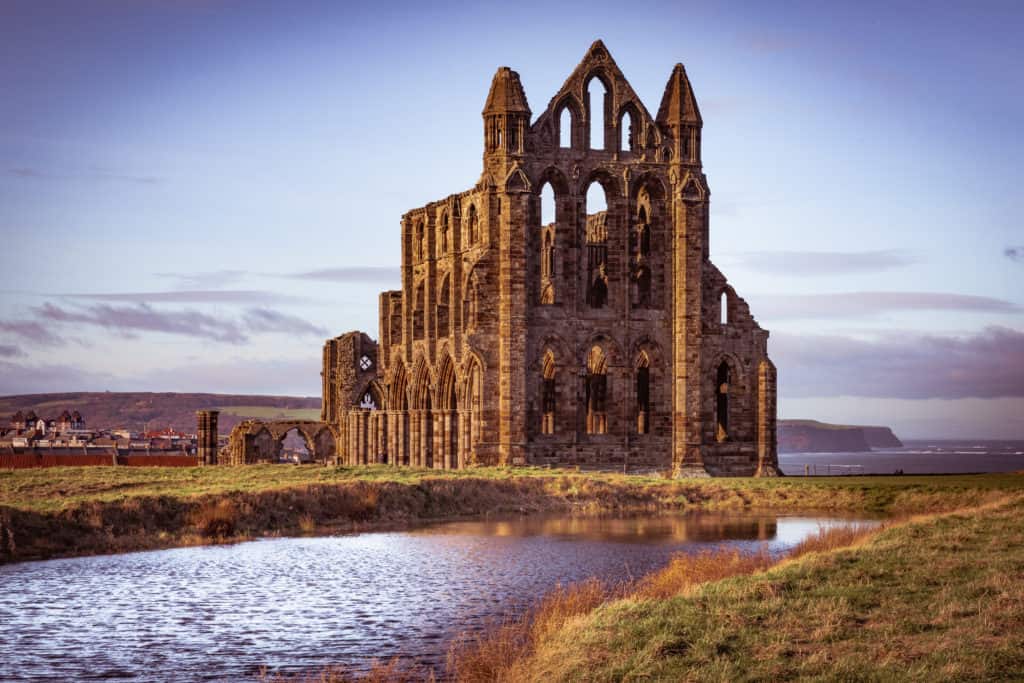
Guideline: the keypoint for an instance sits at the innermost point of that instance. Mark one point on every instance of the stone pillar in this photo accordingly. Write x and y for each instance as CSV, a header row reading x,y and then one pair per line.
x,y
206,447
690,216
422,446
767,450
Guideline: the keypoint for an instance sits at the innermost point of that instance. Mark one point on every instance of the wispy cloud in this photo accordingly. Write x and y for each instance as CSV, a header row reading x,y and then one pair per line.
x,y
10,351
1014,253
95,174
192,296
132,320
816,263
867,304
385,274
129,320
212,279
989,364
297,377
32,331
265,320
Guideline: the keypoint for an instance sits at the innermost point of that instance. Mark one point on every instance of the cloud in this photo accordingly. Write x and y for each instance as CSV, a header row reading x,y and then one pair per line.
x,y
1014,253
130,320
91,174
867,304
296,377
10,351
989,364
143,318
259,320
192,296
815,263
385,274
31,330
212,279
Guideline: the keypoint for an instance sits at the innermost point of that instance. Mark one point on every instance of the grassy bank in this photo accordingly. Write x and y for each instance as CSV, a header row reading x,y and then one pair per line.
x,y
936,598
71,511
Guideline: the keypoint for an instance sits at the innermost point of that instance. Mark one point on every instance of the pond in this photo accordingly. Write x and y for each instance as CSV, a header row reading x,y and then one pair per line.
x,y
221,613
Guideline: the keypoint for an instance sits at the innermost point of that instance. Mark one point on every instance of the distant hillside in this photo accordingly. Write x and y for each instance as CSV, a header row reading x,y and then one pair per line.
x,y
136,410
811,436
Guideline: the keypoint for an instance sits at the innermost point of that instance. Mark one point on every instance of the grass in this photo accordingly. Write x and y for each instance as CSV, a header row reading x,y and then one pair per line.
x,y
82,510
937,598
271,412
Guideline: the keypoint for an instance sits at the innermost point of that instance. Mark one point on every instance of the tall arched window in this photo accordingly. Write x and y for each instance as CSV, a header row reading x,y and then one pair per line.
x,y
470,305
444,233
597,246
420,253
417,312
547,243
643,394
627,141
549,395
443,302
471,223
722,402
597,392
596,95
723,307
565,128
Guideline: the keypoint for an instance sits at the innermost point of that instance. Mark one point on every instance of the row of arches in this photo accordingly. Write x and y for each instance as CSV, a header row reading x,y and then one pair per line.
x,y
422,419
471,234
596,394
601,262
583,125
443,320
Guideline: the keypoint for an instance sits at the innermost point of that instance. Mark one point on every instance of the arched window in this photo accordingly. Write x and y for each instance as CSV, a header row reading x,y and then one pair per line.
x,y
444,233
723,308
471,235
722,402
596,95
565,128
643,394
627,141
419,241
417,313
597,392
443,301
549,395
547,243
597,246
643,287
470,306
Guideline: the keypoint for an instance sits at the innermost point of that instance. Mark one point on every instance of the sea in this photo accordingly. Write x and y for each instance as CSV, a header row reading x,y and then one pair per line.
x,y
919,456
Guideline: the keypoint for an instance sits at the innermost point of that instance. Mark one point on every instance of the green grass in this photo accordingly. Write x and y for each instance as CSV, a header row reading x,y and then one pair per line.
x,y
271,412
936,599
61,487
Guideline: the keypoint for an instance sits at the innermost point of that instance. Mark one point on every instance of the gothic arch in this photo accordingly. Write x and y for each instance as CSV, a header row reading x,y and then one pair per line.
x,y
575,107
447,380
636,122
609,347
398,399
422,385
559,184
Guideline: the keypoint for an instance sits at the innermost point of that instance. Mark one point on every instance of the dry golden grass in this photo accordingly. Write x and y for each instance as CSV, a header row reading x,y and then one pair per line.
x,y
498,654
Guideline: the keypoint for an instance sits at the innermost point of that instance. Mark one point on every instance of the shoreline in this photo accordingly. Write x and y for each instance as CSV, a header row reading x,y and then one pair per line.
x,y
71,512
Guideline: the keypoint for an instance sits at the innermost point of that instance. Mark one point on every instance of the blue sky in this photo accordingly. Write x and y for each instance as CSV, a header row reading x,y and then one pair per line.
x,y
195,193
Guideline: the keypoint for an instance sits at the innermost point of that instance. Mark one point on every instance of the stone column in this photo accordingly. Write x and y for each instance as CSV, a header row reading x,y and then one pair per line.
x,y
767,451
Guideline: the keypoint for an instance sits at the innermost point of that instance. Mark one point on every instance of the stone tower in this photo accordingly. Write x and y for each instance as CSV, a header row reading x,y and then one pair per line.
x,y
593,337
207,436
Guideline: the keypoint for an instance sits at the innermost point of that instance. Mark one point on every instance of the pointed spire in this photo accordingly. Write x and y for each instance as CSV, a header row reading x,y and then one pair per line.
x,y
678,104
506,94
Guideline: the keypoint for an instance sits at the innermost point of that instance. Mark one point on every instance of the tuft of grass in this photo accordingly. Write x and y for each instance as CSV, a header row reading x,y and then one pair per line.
x,y
216,519
684,571
393,671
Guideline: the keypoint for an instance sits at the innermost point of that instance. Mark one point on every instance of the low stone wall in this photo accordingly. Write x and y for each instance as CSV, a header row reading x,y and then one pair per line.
x,y
29,460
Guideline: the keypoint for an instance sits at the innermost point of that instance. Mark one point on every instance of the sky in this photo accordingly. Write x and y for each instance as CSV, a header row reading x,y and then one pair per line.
x,y
194,194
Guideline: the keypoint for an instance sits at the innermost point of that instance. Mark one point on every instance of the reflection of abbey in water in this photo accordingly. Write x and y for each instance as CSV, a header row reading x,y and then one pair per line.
x,y
533,332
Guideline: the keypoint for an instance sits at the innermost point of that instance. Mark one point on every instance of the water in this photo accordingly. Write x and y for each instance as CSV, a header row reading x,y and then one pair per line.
x,y
916,457
220,613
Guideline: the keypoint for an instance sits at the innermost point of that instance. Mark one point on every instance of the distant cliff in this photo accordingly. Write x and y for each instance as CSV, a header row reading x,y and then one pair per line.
x,y
811,436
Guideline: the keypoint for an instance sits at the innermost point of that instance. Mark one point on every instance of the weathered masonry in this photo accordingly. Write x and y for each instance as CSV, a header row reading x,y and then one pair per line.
x,y
573,334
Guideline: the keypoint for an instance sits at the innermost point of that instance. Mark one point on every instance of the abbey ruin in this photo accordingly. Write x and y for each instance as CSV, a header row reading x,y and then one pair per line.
x,y
593,338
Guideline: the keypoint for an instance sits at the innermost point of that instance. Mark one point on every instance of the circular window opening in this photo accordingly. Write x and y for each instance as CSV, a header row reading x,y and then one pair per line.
x,y
365,363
